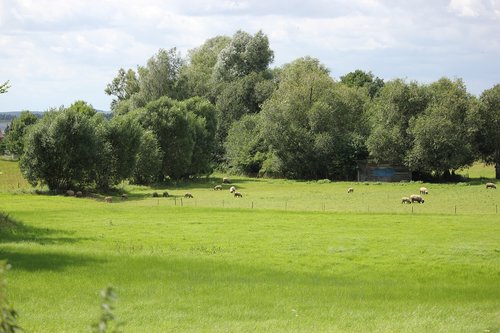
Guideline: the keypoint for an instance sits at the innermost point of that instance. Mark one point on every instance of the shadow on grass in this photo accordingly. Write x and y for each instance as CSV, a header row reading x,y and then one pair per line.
x,y
45,261
12,230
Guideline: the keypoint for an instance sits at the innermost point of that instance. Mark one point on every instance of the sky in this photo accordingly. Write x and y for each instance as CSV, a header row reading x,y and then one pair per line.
x,y
55,52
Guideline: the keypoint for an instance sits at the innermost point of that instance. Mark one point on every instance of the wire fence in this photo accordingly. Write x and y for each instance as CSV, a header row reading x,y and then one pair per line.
x,y
393,207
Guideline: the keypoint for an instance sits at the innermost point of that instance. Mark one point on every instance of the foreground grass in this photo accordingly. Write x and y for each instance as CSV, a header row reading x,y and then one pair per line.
x,y
196,269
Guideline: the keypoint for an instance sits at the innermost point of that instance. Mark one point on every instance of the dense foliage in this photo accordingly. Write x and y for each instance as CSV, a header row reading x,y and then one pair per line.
x,y
223,107
14,138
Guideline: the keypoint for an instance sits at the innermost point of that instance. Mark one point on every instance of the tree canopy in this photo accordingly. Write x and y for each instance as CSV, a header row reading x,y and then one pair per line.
x,y
223,106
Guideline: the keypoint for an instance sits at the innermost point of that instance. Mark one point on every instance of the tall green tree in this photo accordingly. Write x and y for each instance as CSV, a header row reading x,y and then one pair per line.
x,y
185,132
442,134
362,79
61,150
147,168
245,145
160,77
310,120
488,134
243,96
197,74
123,86
123,136
391,111
244,54
14,138
285,115
203,126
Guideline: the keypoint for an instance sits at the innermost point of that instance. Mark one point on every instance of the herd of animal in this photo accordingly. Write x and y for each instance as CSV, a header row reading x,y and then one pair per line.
x,y
414,198
423,191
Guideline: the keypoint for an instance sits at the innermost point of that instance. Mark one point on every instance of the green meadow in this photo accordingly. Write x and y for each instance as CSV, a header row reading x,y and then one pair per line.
x,y
289,256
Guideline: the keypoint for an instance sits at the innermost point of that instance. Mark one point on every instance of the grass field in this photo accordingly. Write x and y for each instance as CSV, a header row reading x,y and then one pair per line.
x,y
308,257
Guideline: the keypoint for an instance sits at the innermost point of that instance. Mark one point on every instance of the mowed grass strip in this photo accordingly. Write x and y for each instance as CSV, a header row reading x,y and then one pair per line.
x,y
199,269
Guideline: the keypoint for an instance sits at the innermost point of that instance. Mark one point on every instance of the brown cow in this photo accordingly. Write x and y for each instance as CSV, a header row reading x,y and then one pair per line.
x,y
108,199
188,195
238,195
491,185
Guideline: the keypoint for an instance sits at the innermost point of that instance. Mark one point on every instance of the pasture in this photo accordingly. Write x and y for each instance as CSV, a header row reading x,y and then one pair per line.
x,y
308,257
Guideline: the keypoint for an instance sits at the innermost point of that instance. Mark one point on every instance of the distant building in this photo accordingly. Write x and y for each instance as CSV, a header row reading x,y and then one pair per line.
x,y
369,171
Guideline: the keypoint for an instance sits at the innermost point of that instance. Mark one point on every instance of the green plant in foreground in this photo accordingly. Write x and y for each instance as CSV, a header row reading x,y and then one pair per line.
x,y
107,320
8,316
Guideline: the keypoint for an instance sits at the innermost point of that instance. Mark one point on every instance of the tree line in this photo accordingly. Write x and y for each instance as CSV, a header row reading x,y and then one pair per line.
x,y
223,106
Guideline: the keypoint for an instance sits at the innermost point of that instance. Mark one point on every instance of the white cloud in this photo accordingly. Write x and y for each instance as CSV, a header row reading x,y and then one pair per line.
x,y
475,8
62,50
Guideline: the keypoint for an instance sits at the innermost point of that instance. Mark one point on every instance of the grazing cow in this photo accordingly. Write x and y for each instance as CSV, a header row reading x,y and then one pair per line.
x,y
238,195
79,194
108,199
188,195
406,200
424,190
155,195
232,189
70,193
350,190
226,180
491,185
416,198
165,194
218,188
124,196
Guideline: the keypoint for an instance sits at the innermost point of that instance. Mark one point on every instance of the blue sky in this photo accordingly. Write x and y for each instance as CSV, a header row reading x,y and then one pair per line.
x,y
55,52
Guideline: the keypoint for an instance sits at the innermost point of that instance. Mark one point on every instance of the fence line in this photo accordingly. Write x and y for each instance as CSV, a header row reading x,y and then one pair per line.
x,y
306,206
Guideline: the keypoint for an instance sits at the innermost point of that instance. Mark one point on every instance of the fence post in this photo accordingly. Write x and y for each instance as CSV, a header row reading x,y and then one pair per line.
x,y
222,203
175,201
252,204
182,203
412,209
286,205
455,209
